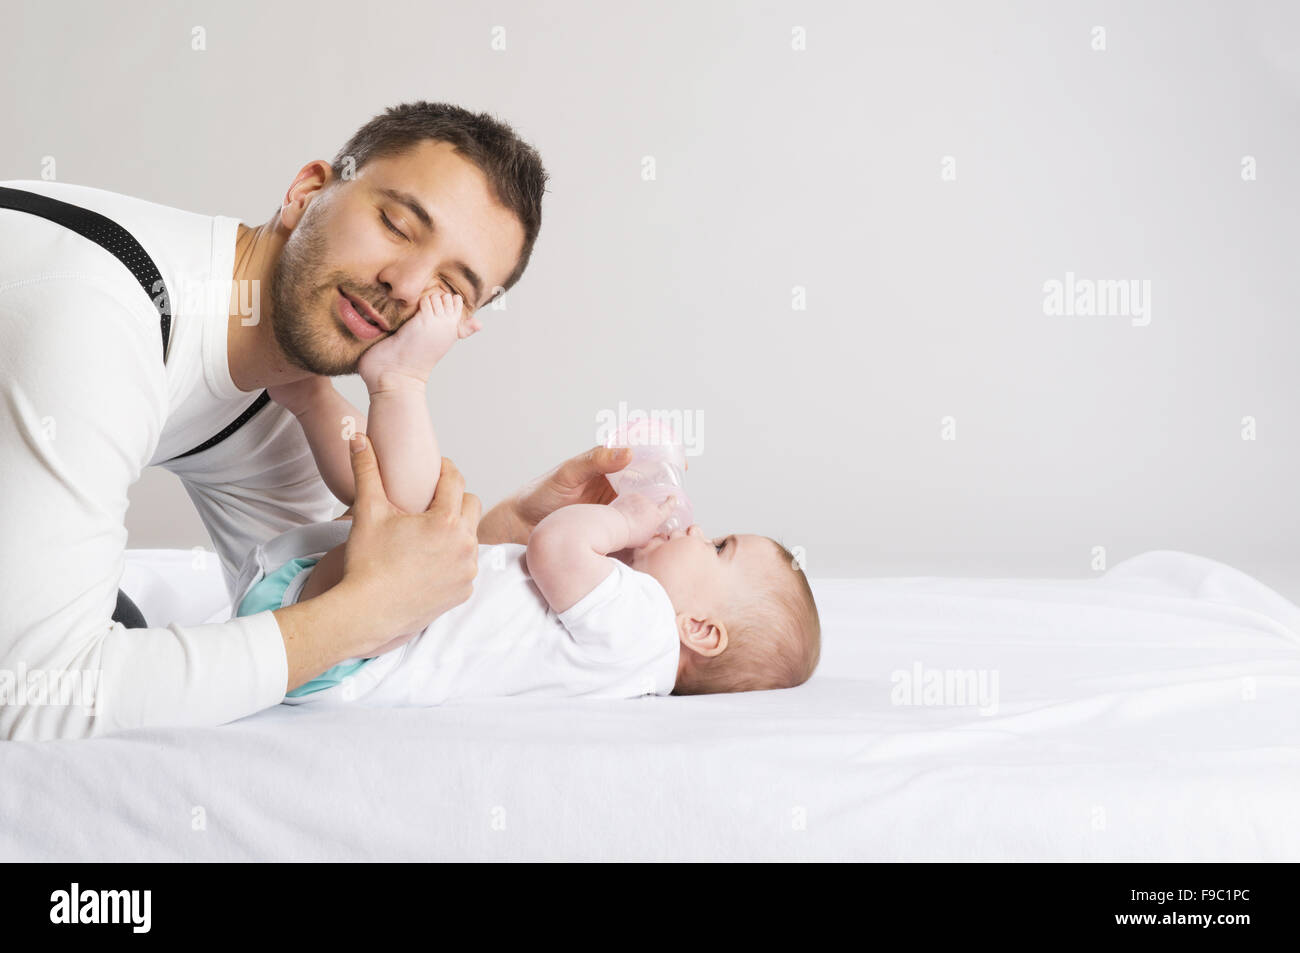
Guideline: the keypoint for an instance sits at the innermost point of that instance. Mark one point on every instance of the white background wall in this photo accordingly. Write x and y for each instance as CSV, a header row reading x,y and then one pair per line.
x,y
778,168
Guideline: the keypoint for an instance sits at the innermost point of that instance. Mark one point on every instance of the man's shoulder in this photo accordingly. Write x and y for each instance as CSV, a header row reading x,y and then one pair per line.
x,y
190,251
115,205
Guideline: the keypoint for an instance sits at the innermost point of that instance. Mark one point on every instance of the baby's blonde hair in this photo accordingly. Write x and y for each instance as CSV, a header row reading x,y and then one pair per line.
x,y
773,641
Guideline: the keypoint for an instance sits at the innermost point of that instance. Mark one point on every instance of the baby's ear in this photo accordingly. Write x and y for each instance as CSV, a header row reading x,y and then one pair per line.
x,y
704,636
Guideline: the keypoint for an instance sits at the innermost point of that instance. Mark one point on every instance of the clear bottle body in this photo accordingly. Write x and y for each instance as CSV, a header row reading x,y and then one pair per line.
x,y
658,470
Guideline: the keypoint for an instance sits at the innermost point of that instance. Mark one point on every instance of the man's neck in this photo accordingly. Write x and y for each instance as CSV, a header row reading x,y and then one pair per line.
x,y
252,352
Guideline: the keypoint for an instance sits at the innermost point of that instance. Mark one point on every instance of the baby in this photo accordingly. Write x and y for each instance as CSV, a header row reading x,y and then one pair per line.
x,y
597,604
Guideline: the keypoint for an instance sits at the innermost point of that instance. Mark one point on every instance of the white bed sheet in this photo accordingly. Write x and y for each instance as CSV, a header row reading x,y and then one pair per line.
x,y
1150,714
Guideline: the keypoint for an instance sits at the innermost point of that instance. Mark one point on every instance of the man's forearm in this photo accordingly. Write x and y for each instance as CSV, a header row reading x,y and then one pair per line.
x,y
501,525
320,632
324,422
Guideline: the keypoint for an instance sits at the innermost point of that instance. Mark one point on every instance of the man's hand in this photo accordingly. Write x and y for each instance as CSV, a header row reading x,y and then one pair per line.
x,y
578,480
412,351
408,568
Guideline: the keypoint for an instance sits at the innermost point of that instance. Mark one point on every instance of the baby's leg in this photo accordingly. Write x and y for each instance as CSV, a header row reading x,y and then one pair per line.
x,y
325,575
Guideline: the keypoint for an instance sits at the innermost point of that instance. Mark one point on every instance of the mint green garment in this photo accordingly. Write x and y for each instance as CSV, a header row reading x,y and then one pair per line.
x,y
268,594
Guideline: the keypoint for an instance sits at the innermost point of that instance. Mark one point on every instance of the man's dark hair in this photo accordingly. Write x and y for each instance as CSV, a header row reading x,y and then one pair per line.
x,y
513,168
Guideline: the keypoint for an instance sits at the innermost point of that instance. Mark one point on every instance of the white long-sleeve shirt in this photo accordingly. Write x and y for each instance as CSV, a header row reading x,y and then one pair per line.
x,y
86,404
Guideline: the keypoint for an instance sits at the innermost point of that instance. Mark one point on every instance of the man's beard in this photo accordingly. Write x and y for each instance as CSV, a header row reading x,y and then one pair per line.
x,y
307,341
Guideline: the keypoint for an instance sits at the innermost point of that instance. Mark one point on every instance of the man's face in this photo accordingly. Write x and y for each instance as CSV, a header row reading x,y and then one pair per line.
x,y
362,239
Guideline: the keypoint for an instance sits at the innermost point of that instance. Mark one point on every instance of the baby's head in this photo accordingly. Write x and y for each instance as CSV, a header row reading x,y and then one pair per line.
x,y
746,618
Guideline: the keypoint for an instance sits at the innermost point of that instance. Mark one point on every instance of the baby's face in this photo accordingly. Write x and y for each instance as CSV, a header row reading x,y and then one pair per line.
x,y
702,573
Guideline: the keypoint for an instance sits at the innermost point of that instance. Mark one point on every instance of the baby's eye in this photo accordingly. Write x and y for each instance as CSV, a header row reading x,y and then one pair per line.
x,y
717,546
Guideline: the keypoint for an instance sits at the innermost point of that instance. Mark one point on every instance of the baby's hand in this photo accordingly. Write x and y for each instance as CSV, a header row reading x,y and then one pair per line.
x,y
643,515
419,344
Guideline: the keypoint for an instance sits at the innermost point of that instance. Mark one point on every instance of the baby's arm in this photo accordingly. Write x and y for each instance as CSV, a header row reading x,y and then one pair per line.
x,y
394,370
567,554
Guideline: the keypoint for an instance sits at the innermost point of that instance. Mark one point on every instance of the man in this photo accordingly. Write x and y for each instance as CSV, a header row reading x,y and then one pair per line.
x,y
423,197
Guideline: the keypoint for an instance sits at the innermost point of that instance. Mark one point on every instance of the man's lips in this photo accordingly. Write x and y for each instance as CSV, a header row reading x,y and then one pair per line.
x,y
367,312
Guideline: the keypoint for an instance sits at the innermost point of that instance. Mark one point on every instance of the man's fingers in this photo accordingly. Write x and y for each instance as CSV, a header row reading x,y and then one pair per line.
x,y
597,461
613,459
471,508
370,491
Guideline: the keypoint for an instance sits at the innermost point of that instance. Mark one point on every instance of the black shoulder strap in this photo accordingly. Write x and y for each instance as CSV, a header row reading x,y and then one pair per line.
x,y
262,400
122,245
107,234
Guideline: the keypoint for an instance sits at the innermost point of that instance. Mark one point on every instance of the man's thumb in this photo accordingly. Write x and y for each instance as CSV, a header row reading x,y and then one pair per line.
x,y
365,469
612,459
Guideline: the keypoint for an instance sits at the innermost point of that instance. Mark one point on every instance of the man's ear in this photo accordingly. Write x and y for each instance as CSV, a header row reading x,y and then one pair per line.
x,y
311,179
705,636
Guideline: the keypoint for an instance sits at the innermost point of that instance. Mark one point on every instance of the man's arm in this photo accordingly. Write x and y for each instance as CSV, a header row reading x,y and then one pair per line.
x,y
395,574
501,525
320,632
398,425
82,398
567,554
580,479
257,483
328,420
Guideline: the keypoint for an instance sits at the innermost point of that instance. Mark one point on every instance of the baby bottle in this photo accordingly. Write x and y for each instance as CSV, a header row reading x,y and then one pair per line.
x,y
657,468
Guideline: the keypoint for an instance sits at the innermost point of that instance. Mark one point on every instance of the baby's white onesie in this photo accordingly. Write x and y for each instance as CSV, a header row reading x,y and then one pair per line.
x,y
618,641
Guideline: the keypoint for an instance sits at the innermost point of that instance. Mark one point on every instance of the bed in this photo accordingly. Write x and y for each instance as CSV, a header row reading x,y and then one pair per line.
x,y
1151,713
